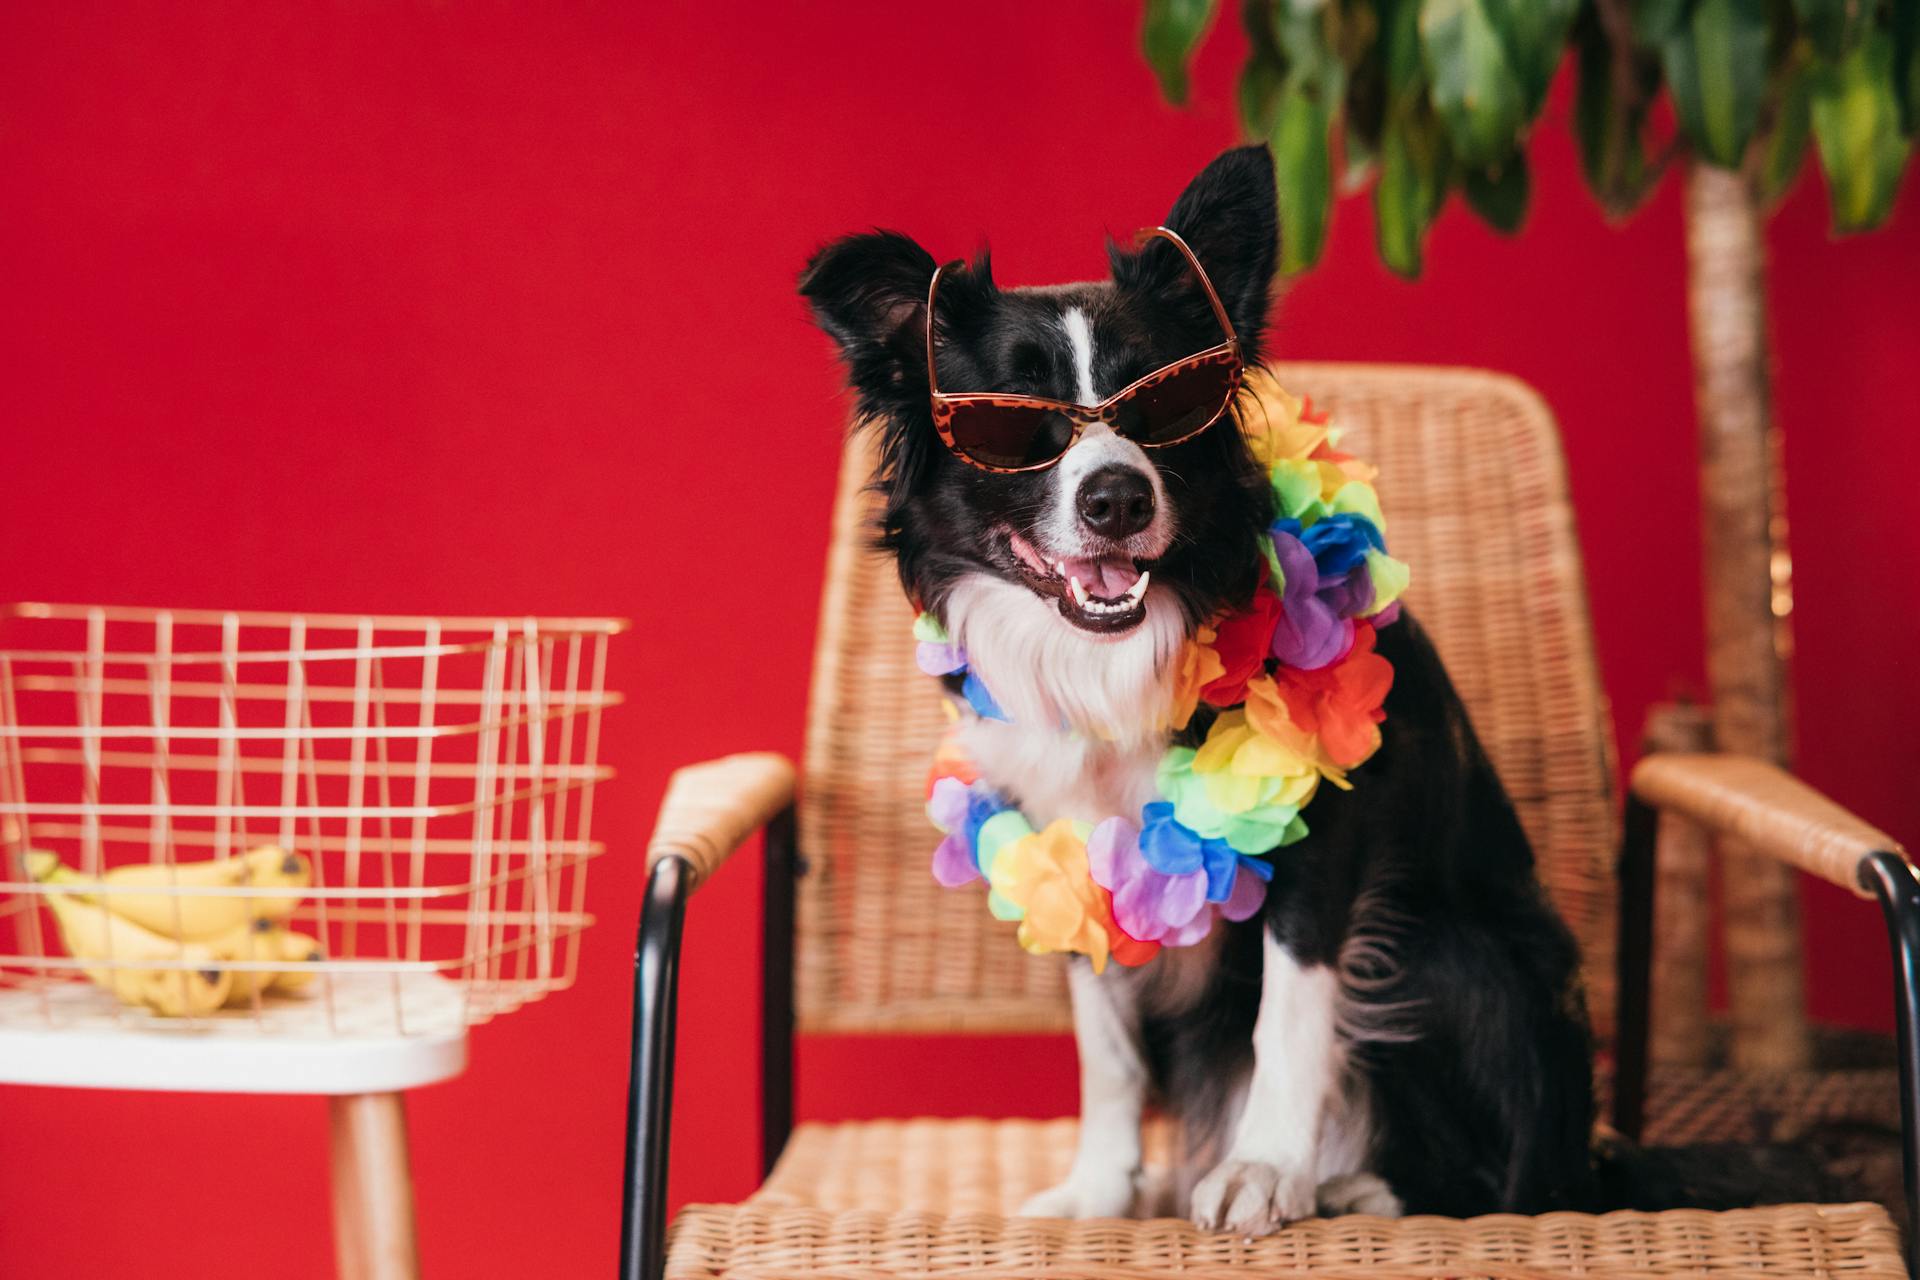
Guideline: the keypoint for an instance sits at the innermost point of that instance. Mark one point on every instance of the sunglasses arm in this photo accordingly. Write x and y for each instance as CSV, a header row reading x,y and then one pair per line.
x,y
933,291
1213,298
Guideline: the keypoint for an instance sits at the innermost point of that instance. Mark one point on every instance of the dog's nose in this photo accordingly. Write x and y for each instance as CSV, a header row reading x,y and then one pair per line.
x,y
1116,502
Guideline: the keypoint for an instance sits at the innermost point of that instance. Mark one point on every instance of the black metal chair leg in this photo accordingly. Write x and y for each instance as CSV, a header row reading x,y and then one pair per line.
x,y
656,983
776,990
1632,1024
1895,883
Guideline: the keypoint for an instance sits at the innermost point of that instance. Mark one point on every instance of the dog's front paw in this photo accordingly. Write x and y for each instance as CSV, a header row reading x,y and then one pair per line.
x,y
1252,1198
1108,1194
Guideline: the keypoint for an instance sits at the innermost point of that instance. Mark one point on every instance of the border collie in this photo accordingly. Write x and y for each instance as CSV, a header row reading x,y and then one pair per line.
x,y
1402,1028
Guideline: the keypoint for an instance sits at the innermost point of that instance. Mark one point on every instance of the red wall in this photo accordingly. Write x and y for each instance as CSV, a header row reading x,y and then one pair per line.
x,y
460,308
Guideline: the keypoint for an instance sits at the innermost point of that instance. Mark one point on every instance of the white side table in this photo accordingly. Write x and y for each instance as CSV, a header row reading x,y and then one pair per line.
x,y
346,1047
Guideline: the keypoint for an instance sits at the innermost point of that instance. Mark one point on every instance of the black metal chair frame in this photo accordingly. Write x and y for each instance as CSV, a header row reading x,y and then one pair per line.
x,y
643,1226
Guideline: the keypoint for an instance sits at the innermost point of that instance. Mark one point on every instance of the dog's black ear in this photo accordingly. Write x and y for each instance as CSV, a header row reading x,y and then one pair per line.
x,y
864,288
1228,216
869,293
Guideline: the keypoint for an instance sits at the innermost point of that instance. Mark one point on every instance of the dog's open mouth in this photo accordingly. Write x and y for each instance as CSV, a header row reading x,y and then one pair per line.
x,y
1100,593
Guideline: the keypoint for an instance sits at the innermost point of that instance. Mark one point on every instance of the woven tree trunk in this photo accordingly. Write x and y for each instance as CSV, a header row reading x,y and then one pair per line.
x,y
1747,589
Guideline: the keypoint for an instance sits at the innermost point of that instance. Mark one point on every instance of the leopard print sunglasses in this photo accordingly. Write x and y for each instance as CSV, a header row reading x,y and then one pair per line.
x,y
1010,433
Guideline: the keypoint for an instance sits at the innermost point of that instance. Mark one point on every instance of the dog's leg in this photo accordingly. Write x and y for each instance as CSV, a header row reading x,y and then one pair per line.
x,y
1113,1089
1271,1168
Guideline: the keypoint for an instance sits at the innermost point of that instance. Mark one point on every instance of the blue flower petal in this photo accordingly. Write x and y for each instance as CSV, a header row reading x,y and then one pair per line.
x,y
974,690
1222,863
1258,866
1340,542
1168,847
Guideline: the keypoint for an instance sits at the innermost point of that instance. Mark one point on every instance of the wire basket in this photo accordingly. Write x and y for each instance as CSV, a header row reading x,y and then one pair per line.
x,y
341,826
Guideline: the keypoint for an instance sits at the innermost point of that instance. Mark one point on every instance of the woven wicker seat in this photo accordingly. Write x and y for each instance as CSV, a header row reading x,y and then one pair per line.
x,y
932,1198
881,948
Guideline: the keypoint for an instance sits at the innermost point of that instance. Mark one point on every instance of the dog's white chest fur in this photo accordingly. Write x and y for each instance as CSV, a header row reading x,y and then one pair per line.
x,y
1088,715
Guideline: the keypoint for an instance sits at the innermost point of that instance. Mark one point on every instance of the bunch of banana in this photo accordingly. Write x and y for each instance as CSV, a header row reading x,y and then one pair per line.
x,y
108,919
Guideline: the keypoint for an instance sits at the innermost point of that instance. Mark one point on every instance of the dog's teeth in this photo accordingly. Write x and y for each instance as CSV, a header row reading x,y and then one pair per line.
x,y
1139,588
1079,592
1060,568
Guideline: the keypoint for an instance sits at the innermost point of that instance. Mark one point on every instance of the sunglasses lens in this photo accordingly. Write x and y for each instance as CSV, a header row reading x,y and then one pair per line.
x,y
1010,436
1179,404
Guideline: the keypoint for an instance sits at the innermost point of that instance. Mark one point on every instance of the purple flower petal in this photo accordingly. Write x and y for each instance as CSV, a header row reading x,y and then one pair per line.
x,y
1310,635
947,806
1195,930
1350,594
939,659
953,861
1113,853
1150,905
1249,891
1296,564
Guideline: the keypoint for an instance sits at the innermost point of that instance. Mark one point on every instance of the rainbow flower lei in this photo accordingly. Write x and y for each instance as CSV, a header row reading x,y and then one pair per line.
x,y
1298,692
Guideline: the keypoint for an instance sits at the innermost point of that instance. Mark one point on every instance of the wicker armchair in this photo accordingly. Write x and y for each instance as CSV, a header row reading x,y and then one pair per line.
x,y
882,949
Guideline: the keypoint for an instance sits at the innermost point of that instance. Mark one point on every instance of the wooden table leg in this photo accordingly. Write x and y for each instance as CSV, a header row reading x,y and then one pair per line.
x,y
373,1235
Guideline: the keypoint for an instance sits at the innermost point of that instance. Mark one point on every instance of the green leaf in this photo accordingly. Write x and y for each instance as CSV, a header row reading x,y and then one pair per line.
x,y
1906,62
1611,132
1716,65
1535,35
1413,164
1301,34
1303,173
1364,112
1655,20
1499,195
1475,89
1260,83
1785,149
1835,26
1400,52
1856,121
1169,35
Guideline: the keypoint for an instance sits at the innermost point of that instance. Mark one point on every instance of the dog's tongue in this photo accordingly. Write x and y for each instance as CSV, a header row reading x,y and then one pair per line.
x,y
1108,577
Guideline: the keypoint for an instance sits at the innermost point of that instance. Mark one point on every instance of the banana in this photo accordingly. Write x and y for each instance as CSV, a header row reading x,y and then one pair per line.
x,y
302,948
248,943
259,943
185,916
91,932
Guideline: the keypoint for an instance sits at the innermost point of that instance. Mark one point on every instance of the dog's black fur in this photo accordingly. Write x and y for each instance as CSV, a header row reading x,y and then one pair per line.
x,y
1467,1016
1460,988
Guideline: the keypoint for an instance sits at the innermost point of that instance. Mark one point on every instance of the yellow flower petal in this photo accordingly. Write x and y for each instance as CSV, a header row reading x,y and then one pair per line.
x,y
1223,740
1270,419
1233,792
1262,757
1199,666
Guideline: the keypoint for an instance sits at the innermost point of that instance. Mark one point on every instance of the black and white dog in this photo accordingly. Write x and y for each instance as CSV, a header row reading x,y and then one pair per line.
x,y
1403,1028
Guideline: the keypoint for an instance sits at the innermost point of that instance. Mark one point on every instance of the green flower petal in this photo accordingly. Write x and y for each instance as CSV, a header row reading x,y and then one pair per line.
x,y
1390,578
997,832
1356,497
1296,490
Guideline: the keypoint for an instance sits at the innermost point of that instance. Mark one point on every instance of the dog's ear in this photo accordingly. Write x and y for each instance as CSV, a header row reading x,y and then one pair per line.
x,y
1228,216
869,293
863,289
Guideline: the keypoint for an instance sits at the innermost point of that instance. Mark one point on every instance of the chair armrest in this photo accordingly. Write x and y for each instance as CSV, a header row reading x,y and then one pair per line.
x,y
1768,810
710,809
